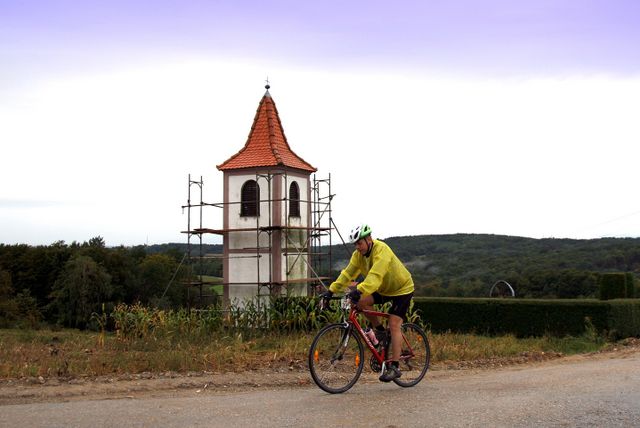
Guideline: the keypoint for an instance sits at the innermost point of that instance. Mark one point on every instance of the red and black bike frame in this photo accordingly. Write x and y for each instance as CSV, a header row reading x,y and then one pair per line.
x,y
380,356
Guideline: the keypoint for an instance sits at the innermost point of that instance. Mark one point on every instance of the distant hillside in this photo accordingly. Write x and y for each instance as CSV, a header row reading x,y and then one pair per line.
x,y
182,248
468,265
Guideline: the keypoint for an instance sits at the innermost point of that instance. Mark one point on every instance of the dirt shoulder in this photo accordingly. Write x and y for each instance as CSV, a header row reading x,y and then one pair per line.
x,y
292,375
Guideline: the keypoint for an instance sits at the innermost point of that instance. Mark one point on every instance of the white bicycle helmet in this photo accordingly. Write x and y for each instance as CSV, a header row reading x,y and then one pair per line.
x,y
359,232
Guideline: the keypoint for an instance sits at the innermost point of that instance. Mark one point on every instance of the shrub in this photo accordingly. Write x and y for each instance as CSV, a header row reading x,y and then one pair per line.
x,y
8,305
630,285
79,291
624,318
530,317
612,286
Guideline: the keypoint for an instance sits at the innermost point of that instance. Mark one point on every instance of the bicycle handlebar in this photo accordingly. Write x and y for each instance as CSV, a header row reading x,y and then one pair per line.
x,y
344,297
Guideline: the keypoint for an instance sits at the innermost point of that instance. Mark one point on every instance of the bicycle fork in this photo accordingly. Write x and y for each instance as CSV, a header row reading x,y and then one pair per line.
x,y
339,352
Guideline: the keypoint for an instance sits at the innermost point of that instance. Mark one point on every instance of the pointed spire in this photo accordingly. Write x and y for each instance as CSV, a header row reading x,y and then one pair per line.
x,y
266,145
267,87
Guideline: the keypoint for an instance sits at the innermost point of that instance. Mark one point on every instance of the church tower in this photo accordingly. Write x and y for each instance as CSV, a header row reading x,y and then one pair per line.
x,y
266,212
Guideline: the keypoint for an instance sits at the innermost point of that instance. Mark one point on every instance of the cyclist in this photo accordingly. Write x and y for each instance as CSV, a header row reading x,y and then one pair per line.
x,y
386,279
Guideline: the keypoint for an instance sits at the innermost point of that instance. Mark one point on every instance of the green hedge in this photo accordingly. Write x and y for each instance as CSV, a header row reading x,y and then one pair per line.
x,y
630,285
530,317
613,285
624,317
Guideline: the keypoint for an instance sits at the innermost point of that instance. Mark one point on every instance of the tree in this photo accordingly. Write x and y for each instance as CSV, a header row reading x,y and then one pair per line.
x,y
28,311
156,271
612,285
8,305
96,249
122,265
80,290
34,268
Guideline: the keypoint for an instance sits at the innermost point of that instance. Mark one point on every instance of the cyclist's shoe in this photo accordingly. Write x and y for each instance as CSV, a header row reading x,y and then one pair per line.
x,y
390,374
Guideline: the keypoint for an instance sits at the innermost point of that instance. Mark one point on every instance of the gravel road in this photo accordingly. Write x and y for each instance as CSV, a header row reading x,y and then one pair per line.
x,y
584,392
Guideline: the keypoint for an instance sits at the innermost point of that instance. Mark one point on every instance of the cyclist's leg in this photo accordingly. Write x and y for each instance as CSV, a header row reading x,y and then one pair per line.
x,y
397,314
395,326
366,303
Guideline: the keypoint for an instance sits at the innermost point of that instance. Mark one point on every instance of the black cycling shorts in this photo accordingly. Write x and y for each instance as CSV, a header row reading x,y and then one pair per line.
x,y
399,304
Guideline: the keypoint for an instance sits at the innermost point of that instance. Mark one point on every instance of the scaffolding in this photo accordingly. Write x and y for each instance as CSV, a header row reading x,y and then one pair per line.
x,y
197,284
304,248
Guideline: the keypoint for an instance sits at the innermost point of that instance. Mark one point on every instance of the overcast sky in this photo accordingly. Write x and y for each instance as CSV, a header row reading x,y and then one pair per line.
x,y
504,117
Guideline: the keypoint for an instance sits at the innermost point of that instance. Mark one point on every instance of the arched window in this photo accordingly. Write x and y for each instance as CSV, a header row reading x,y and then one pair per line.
x,y
250,198
294,200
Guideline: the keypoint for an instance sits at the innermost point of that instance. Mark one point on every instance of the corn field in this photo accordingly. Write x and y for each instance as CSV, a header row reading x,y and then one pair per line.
x,y
251,318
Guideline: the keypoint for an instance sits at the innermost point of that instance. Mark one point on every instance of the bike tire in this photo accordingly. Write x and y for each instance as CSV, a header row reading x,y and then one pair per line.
x,y
336,358
414,367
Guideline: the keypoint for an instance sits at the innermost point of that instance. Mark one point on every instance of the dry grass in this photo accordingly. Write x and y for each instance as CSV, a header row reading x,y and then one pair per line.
x,y
25,353
467,347
72,353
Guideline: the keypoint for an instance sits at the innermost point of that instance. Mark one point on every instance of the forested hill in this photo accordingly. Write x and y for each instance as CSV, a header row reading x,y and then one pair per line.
x,y
182,248
45,282
468,265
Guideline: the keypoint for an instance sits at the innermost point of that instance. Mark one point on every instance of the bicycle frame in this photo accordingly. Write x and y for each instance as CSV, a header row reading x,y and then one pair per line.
x,y
336,355
352,321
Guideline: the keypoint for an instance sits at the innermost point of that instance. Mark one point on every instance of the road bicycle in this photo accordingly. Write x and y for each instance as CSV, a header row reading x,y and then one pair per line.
x,y
336,356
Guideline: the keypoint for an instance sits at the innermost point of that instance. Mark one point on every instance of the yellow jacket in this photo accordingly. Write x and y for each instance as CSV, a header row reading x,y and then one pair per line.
x,y
383,272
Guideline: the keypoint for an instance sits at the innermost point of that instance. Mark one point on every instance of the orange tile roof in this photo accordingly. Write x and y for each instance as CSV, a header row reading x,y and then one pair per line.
x,y
266,144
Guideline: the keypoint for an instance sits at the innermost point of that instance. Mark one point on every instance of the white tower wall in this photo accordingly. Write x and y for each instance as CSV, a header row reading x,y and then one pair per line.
x,y
271,248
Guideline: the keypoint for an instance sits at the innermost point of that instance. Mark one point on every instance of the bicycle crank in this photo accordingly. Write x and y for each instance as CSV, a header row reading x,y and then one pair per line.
x,y
374,364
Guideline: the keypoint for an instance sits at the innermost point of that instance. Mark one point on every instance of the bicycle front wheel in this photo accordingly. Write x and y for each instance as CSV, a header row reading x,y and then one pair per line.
x,y
415,355
336,358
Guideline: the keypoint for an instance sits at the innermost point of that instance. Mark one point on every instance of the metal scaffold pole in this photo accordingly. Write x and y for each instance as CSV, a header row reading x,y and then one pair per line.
x,y
296,243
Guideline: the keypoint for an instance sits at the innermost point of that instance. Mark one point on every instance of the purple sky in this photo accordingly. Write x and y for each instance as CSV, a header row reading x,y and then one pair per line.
x,y
465,37
515,117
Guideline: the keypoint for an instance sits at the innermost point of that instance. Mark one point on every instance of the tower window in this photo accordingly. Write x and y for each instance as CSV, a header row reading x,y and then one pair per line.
x,y
250,198
294,200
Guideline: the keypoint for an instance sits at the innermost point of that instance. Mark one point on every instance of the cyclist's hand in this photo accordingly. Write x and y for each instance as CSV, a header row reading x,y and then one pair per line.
x,y
354,296
324,300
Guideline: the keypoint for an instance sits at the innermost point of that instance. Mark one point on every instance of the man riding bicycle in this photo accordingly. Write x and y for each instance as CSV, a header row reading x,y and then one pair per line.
x,y
386,279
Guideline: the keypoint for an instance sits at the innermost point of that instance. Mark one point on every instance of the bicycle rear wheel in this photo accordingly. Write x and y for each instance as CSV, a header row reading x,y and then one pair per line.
x,y
415,355
336,358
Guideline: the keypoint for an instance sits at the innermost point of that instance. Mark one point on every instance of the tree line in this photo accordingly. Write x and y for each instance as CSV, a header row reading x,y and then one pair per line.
x,y
467,265
67,284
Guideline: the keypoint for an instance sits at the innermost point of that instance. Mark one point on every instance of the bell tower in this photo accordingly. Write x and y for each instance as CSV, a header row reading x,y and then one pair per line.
x,y
267,212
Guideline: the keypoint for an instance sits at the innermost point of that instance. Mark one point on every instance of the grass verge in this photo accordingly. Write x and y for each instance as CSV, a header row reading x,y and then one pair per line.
x,y
73,353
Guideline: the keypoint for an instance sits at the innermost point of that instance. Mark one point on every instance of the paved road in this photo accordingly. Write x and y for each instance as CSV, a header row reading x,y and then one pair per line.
x,y
602,392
